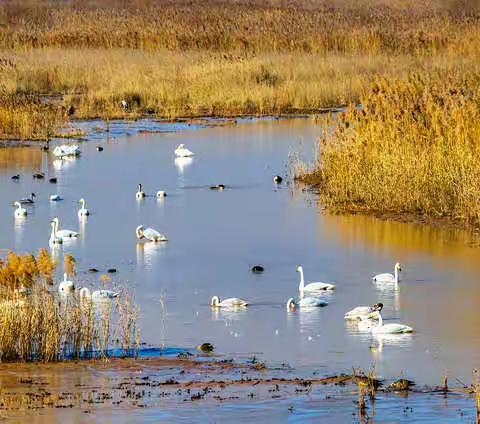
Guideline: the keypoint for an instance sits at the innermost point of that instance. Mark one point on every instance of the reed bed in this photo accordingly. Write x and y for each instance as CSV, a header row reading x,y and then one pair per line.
x,y
413,147
36,324
171,58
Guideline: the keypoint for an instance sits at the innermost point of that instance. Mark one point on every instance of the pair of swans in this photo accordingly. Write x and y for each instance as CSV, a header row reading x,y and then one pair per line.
x,y
19,212
66,150
368,324
59,236
140,194
361,312
67,287
182,152
150,234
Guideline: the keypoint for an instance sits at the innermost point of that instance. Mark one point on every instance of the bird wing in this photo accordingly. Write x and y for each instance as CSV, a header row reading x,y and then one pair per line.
x,y
316,286
151,234
384,277
233,301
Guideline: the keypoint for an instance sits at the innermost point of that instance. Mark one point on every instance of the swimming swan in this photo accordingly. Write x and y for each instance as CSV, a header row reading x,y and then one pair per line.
x,y
64,234
381,328
312,287
140,194
182,152
364,311
54,239
19,212
231,302
66,287
97,294
55,197
150,234
389,278
82,212
305,302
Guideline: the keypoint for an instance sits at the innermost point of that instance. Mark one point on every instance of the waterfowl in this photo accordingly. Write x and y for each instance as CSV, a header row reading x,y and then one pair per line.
x,y
219,187
388,278
305,302
99,149
363,311
28,200
258,269
66,287
97,294
312,287
206,347
46,146
277,179
53,180
149,234
39,175
19,212
124,105
231,302
161,193
140,194
66,150
54,239
16,177
55,197
111,270
381,328
83,212
64,234
182,152
92,270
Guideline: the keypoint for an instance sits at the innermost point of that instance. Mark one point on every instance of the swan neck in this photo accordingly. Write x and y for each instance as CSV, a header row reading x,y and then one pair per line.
x,y
302,280
380,319
396,275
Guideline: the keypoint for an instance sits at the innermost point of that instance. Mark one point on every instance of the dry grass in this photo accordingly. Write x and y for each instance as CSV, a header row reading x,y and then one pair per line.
x,y
412,148
177,58
37,325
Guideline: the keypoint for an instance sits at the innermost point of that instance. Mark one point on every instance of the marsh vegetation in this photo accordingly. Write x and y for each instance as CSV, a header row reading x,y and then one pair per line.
x,y
69,60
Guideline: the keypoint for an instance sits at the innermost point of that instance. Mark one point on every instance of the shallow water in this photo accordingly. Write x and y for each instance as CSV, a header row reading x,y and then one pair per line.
x,y
216,237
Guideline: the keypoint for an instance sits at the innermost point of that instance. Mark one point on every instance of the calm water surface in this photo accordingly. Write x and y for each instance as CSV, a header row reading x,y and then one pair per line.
x,y
216,237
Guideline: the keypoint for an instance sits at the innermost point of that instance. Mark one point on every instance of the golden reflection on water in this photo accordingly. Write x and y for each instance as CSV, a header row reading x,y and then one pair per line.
x,y
403,238
21,157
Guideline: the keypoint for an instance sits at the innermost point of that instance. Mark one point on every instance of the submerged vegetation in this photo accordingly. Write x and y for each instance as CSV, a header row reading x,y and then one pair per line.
x,y
413,147
37,324
64,60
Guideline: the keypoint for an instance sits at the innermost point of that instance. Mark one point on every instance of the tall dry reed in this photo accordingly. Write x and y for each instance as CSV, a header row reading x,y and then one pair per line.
x,y
413,147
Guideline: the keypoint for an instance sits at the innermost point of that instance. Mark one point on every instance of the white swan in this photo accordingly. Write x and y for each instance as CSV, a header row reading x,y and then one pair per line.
x,y
231,302
97,295
364,312
64,234
305,302
55,197
182,152
381,328
150,234
19,212
161,193
66,150
312,287
66,287
389,278
54,239
83,212
140,194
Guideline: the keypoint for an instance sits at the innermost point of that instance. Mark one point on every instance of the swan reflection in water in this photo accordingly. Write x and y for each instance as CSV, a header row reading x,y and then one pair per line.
x,y
19,226
182,164
66,162
147,252
379,341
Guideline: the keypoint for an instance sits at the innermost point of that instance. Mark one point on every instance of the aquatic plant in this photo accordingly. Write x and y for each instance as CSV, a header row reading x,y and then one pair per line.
x,y
174,58
36,324
412,147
